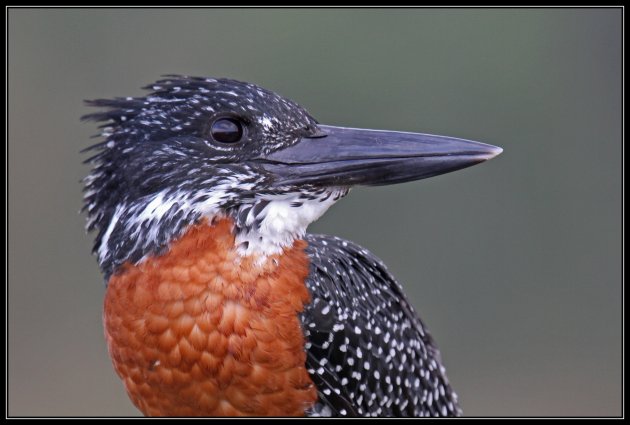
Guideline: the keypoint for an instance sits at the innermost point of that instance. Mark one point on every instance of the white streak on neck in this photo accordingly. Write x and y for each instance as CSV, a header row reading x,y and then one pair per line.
x,y
102,249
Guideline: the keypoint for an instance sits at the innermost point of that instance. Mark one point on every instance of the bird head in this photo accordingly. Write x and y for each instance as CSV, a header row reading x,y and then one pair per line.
x,y
202,148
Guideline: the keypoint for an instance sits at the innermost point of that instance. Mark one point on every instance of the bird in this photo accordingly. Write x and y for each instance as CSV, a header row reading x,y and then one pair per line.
x,y
217,301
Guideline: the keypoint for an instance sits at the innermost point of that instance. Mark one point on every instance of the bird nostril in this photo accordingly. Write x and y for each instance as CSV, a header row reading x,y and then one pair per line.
x,y
315,133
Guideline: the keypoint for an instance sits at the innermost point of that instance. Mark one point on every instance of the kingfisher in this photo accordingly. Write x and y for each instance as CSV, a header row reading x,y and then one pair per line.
x,y
218,303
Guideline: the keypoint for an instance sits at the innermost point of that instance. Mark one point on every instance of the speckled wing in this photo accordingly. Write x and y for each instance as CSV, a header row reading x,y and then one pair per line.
x,y
368,353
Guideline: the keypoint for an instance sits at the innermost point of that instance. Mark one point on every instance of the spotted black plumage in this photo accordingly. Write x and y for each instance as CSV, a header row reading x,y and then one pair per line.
x,y
368,351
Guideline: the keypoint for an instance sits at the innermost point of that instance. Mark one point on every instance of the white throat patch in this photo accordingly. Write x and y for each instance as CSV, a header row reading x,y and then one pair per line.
x,y
283,220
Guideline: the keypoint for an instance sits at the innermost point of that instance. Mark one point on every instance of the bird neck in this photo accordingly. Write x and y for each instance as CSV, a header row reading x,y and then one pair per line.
x,y
264,225
216,243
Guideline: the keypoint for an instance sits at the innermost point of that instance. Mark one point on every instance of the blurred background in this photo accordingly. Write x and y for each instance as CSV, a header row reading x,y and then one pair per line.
x,y
515,264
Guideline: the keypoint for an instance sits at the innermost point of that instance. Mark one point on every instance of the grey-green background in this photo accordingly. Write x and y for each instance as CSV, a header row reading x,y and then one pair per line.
x,y
515,264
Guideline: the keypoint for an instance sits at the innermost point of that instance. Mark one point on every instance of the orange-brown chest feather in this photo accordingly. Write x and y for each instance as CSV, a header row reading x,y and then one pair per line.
x,y
202,331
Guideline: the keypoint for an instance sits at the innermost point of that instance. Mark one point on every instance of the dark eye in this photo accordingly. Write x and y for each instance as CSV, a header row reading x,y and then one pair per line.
x,y
227,130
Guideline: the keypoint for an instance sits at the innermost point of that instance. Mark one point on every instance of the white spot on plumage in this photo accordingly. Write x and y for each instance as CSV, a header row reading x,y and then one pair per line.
x,y
266,123
155,99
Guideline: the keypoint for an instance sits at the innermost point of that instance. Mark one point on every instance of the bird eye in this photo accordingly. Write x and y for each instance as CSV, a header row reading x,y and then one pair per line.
x,y
227,130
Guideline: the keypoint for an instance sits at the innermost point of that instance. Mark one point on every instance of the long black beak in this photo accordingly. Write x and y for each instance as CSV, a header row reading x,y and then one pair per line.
x,y
341,156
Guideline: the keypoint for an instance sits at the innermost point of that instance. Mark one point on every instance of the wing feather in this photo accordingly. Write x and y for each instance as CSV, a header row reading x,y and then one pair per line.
x,y
369,353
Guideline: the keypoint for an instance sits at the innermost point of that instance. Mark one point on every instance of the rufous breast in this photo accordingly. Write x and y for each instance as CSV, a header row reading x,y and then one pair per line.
x,y
203,331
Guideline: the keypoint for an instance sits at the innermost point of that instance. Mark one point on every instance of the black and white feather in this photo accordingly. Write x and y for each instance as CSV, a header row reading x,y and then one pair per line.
x,y
368,351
